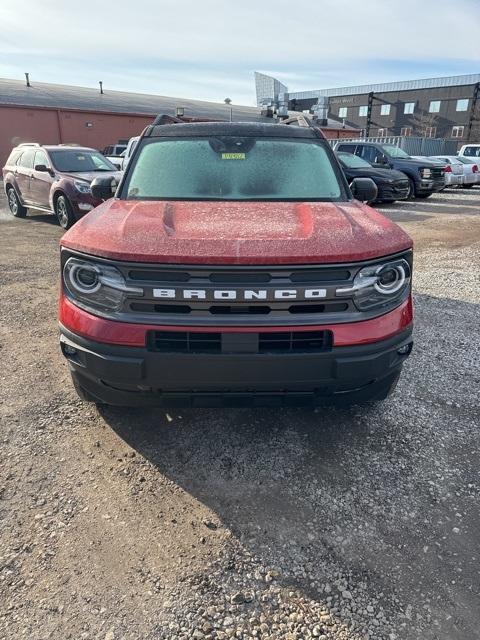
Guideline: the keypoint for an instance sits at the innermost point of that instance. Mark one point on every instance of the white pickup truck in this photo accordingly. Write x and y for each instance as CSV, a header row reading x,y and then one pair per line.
x,y
470,151
123,159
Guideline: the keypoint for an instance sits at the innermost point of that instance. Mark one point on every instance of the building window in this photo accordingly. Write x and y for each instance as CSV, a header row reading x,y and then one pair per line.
x,y
434,106
457,132
363,111
406,131
342,112
382,133
385,110
409,107
462,105
430,132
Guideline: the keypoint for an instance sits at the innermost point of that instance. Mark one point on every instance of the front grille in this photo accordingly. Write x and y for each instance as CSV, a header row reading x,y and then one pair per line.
x,y
238,296
255,292
262,342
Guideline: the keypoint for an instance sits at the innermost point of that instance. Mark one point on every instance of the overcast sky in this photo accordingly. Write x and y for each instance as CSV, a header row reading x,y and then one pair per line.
x,y
209,49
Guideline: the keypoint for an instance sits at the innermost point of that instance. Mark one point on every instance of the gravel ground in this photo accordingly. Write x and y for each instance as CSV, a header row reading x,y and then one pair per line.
x,y
358,524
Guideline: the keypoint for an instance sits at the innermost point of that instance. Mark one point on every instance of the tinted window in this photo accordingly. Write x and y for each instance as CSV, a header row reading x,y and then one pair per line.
x,y
370,154
231,168
41,158
27,159
348,148
472,151
78,161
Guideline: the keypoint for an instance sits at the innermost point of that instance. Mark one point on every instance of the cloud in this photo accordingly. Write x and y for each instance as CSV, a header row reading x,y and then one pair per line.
x,y
213,46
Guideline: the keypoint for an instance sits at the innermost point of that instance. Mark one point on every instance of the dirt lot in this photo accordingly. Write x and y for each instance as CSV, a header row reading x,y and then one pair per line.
x,y
341,524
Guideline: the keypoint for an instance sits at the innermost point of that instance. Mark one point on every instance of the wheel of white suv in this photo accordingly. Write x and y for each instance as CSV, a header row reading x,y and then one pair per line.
x,y
64,213
16,207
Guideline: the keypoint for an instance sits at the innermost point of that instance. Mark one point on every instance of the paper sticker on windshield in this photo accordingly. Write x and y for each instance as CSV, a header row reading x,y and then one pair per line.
x,y
233,156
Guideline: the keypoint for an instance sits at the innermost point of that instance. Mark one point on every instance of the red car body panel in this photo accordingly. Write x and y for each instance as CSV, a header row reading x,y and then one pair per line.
x,y
134,335
231,233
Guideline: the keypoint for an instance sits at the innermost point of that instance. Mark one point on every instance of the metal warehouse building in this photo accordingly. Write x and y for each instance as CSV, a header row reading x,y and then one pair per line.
x,y
53,114
435,107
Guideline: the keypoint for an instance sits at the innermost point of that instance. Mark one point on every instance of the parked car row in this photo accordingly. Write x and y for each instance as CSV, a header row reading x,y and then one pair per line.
x,y
57,178
424,175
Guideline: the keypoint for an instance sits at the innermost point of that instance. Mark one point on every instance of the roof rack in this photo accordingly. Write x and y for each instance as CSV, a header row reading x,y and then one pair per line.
x,y
164,118
301,120
29,144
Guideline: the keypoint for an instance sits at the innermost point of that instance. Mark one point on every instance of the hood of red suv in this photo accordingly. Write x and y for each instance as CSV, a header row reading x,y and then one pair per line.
x,y
235,232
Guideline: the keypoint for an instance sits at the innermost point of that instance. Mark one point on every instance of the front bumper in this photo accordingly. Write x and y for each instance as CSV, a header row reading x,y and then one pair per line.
x,y
392,191
83,204
135,376
430,185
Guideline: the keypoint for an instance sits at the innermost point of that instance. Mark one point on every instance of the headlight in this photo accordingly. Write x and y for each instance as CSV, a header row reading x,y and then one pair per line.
x,y
96,286
426,173
83,187
379,285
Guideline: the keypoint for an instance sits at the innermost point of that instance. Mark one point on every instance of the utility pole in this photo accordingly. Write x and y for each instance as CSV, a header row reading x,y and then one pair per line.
x,y
369,114
473,111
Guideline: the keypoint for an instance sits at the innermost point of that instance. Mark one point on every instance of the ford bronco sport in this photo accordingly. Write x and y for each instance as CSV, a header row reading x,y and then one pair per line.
x,y
234,267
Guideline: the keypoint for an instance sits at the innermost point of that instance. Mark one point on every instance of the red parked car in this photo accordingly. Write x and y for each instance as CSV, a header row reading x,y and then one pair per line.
x,y
55,179
234,266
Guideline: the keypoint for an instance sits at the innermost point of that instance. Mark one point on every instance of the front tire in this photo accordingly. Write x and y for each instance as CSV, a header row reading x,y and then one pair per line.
x,y
16,207
64,212
423,195
411,190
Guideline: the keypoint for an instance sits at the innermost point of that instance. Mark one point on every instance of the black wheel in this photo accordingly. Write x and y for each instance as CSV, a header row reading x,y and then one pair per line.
x,y
64,212
16,207
423,195
411,189
466,186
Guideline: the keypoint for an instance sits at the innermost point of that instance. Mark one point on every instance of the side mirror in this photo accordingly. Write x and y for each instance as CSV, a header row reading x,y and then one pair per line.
x,y
42,167
381,159
364,189
103,188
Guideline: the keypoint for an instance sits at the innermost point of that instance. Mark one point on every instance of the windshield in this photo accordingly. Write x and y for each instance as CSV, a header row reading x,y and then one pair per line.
x,y
353,162
233,168
394,152
465,160
80,161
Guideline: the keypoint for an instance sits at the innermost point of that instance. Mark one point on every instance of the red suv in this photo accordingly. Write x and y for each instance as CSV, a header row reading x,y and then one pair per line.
x,y
235,266
55,179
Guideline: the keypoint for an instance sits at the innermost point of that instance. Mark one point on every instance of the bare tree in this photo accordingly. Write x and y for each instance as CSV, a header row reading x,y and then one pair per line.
x,y
423,123
475,130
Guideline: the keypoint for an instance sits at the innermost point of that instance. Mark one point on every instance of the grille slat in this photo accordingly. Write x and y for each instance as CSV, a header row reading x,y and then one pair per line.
x,y
211,343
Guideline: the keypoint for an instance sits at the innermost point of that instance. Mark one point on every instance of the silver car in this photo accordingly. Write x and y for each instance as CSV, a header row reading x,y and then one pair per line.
x,y
471,171
454,172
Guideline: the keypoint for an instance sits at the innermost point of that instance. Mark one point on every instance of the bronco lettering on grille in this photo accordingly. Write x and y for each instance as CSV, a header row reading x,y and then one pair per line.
x,y
239,294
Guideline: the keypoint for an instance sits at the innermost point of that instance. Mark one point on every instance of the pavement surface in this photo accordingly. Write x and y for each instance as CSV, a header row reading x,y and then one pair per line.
x,y
355,524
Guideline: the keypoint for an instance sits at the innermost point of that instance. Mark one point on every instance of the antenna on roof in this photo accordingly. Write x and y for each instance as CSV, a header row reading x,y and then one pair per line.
x,y
101,86
27,79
